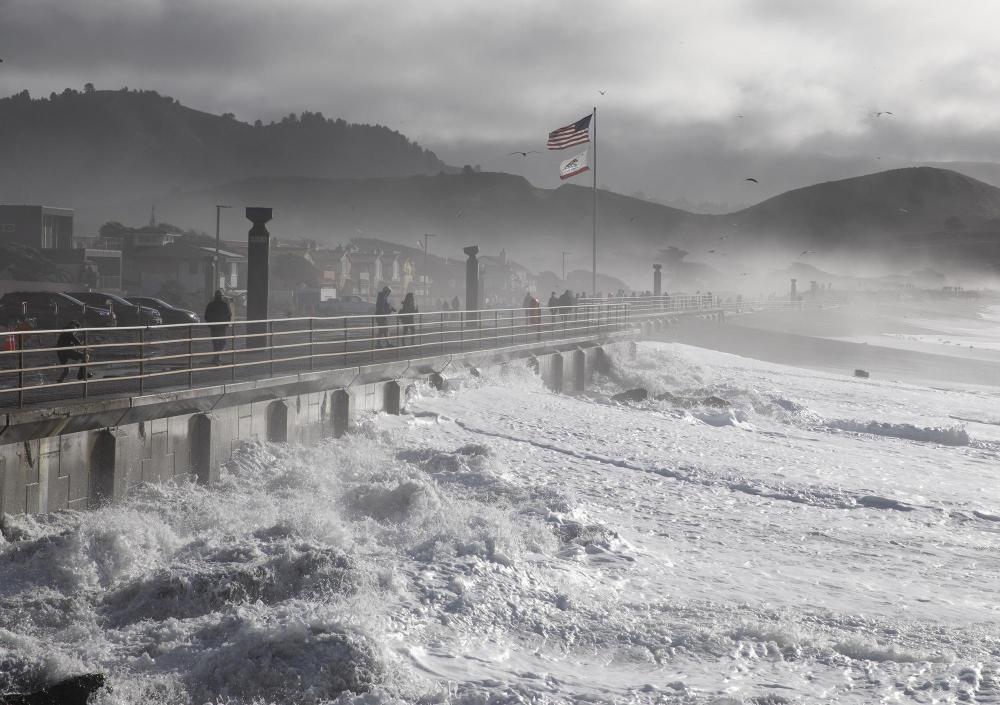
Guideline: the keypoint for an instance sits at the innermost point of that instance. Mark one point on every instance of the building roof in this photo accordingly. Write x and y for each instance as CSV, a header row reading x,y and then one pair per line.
x,y
180,250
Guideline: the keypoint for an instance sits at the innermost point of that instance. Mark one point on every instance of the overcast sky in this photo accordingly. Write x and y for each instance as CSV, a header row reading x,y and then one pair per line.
x,y
698,95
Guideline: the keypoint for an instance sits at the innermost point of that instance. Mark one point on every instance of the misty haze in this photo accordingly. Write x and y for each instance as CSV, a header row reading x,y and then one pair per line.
x,y
478,354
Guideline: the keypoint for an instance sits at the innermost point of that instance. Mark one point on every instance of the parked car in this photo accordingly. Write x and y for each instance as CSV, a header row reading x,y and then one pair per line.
x,y
127,314
52,310
169,313
346,306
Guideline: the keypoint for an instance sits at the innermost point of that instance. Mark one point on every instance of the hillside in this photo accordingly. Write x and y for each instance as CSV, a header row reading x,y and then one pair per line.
x,y
889,207
75,148
918,217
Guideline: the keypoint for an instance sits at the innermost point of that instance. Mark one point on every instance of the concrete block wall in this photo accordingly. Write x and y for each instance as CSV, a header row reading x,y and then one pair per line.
x,y
81,469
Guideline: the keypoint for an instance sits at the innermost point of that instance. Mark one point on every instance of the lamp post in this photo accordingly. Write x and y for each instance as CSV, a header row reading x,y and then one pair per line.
x,y
564,265
218,240
427,292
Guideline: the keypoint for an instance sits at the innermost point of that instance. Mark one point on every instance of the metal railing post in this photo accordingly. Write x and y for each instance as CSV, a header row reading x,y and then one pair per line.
x,y
190,357
20,370
270,348
142,361
232,354
345,342
312,326
441,316
86,359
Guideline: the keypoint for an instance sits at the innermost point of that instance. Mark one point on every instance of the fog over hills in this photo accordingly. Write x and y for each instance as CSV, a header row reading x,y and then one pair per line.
x,y
114,154
908,217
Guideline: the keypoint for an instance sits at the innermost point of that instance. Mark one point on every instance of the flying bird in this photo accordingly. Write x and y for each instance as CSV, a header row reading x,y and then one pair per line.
x,y
807,252
631,219
751,179
524,154
601,92
712,251
883,112
459,214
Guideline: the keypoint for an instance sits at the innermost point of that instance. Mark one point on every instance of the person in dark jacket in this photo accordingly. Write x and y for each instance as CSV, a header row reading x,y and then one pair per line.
x,y
218,311
566,302
532,314
69,350
383,309
406,318
456,304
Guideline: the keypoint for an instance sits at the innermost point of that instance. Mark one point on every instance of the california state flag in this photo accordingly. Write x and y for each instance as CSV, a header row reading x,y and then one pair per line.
x,y
575,165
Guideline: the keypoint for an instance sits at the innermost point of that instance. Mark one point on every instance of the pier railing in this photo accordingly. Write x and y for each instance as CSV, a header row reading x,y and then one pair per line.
x,y
128,361
123,361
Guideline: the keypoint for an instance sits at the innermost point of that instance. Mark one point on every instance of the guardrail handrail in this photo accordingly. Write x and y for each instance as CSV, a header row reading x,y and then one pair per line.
x,y
140,359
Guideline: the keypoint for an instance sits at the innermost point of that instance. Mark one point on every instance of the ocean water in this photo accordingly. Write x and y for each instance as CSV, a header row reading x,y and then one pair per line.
x,y
815,538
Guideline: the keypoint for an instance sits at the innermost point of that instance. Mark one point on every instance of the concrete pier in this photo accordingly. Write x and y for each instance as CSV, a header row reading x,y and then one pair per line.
x,y
92,452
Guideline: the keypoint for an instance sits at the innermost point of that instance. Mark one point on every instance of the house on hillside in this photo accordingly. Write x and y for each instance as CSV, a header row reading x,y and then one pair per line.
x,y
178,268
40,227
503,282
367,275
334,268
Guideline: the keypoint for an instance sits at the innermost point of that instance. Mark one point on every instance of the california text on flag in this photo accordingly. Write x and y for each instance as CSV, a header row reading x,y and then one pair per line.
x,y
577,133
574,166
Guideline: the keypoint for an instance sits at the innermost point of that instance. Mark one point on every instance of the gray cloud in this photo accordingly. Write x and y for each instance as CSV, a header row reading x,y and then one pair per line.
x,y
474,80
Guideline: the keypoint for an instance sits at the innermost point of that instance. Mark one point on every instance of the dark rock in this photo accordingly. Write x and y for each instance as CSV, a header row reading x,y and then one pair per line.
x,y
638,394
437,381
715,402
668,397
863,374
72,691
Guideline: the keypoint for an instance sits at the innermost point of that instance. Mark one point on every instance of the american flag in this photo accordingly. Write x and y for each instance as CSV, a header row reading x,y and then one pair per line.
x,y
577,133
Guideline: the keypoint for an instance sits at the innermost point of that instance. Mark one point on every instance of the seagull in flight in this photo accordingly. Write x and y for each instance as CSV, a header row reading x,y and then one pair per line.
x,y
807,252
601,92
750,178
883,112
524,154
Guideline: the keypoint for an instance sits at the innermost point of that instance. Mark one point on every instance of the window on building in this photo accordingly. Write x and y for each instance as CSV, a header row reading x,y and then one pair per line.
x,y
48,233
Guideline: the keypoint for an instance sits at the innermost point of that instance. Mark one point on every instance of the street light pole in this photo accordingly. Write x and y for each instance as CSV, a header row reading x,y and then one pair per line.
x,y
564,265
218,240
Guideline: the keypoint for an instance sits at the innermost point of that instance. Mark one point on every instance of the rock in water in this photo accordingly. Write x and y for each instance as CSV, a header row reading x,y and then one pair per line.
x,y
72,691
715,402
863,374
638,394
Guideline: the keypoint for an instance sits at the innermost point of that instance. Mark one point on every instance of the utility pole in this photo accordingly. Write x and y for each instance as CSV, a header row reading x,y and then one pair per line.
x,y
564,265
427,290
218,242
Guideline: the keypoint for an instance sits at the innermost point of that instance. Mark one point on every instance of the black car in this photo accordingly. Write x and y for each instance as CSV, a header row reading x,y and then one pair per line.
x,y
126,313
170,314
52,310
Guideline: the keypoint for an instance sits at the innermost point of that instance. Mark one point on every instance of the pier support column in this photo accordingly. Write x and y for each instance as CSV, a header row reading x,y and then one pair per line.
x,y
108,476
553,376
579,370
657,280
277,422
393,399
204,462
342,402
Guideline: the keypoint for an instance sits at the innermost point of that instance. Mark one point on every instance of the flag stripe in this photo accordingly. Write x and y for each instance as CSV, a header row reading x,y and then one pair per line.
x,y
574,173
570,135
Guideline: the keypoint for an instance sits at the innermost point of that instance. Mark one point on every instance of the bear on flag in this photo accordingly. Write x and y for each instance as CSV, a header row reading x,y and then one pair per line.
x,y
573,166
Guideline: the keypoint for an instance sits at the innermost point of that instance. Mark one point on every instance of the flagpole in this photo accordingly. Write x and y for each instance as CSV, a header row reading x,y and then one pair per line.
x,y
593,276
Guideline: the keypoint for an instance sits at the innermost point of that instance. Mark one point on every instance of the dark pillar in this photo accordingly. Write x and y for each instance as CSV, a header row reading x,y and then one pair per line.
x,y
472,278
258,249
794,294
343,411
579,370
276,422
393,399
657,280
200,441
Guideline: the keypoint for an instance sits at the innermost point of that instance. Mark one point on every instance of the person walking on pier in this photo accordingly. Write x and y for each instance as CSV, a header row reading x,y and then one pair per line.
x,y
533,314
406,318
382,311
220,312
566,303
69,349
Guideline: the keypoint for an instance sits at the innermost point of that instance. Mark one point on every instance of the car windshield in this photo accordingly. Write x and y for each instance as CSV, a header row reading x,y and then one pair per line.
x,y
97,298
